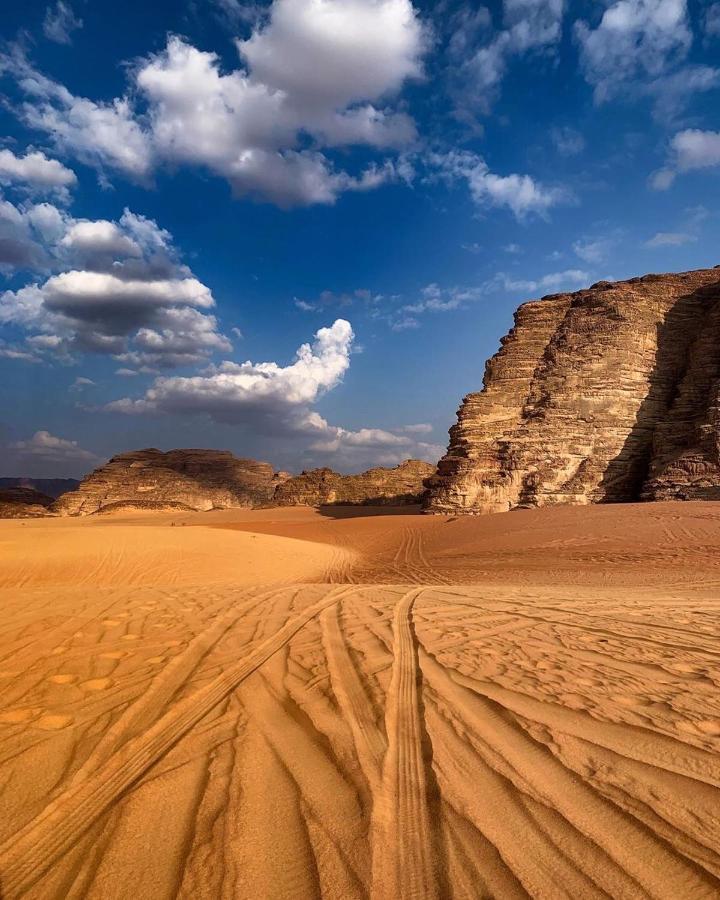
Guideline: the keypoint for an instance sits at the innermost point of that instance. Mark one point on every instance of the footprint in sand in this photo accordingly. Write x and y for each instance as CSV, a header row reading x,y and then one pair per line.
x,y
63,678
111,622
97,684
54,722
114,654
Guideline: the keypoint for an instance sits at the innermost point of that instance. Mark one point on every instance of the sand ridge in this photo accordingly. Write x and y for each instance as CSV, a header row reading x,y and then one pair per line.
x,y
300,734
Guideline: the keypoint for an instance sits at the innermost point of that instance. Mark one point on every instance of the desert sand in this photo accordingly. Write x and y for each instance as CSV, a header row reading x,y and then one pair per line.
x,y
293,703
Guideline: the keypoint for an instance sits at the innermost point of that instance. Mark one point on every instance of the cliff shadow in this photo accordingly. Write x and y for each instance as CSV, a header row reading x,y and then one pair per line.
x,y
350,511
627,472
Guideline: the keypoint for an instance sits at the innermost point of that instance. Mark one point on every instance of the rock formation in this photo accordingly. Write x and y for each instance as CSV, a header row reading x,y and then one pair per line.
x,y
605,395
401,485
53,487
22,502
178,479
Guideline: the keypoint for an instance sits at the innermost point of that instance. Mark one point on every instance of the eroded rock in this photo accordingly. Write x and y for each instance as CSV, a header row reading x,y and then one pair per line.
x,y
604,395
401,485
178,479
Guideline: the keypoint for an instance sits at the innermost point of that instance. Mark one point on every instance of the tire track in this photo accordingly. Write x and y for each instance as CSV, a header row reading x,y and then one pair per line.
x,y
403,851
370,742
35,848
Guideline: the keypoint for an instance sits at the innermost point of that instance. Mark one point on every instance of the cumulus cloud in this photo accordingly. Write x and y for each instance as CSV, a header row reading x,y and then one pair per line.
x,y
521,194
689,150
279,395
278,401
46,446
26,230
97,133
59,23
120,289
36,174
326,70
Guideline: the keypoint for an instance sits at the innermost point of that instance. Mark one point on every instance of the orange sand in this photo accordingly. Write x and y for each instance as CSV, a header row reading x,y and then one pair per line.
x,y
297,704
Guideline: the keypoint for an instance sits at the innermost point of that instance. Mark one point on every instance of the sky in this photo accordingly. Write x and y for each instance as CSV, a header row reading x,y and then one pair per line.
x,y
297,230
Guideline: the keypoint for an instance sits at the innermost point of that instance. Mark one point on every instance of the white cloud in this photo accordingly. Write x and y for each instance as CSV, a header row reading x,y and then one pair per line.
x,y
321,69
521,194
689,150
26,230
235,391
97,133
670,239
635,40
81,383
59,23
276,400
570,279
121,289
53,449
529,25
594,250
35,173
695,149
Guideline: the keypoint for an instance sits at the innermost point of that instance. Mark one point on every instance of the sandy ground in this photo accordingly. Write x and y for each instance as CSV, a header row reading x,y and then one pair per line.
x,y
299,704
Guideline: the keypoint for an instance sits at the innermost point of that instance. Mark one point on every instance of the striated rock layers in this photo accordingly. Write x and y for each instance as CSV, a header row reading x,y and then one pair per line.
x,y
178,479
22,503
605,395
403,484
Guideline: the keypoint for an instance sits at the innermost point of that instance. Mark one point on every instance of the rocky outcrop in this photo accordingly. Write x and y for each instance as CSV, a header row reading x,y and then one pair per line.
x,y
178,479
53,487
401,485
22,503
605,395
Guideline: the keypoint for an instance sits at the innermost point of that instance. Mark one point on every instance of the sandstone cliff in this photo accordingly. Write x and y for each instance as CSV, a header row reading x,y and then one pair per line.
x,y
400,485
608,394
23,502
178,479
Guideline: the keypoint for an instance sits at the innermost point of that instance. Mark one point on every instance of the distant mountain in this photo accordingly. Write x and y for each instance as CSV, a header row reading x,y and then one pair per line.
x,y
52,487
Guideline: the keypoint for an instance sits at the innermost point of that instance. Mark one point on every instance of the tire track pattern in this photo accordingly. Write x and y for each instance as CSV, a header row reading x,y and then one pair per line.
x,y
441,741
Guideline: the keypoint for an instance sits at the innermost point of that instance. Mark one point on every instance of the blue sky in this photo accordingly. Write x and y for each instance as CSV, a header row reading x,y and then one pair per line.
x,y
297,230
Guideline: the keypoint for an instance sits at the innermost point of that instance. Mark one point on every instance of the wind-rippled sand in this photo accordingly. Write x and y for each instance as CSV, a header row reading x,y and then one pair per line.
x,y
286,704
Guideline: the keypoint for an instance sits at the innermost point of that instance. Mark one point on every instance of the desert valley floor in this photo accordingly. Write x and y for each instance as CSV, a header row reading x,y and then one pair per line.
x,y
292,703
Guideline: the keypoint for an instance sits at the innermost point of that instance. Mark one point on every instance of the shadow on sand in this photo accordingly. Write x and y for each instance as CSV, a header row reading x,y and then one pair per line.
x,y
347,511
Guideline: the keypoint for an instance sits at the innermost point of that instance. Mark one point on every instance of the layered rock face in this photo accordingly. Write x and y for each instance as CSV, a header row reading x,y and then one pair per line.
x,y
23,502
178,479
605,395
401,485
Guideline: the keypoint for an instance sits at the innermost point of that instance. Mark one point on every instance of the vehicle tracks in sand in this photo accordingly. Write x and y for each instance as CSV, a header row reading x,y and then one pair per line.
x,y
26,855
404,851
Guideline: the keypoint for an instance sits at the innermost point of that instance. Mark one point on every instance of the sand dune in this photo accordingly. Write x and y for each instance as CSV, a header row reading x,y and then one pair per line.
x,y
286,704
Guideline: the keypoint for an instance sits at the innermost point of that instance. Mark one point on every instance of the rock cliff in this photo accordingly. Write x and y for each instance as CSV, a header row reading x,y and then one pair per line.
x,y
605,395
403,484
23,502
178,479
